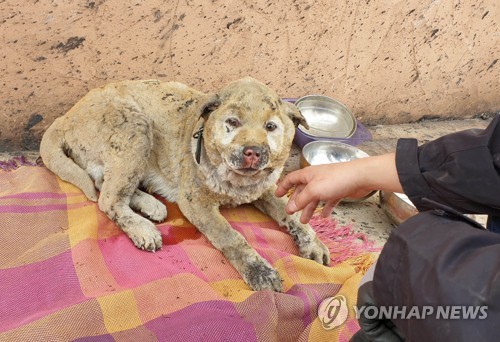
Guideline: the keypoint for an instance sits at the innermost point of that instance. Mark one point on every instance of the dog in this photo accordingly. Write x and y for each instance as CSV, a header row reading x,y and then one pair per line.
x,y
202,151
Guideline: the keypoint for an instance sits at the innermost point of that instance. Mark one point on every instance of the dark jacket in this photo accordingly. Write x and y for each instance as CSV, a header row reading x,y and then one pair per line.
x,y
440,257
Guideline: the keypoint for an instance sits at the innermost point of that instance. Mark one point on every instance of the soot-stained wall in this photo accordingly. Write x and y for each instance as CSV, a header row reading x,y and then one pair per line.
x,y
389,61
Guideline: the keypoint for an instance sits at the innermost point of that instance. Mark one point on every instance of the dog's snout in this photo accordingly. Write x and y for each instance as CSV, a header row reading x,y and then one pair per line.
x,y
252,156
252,152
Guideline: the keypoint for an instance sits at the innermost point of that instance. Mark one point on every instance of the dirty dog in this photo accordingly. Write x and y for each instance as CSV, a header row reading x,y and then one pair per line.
x,y
202,151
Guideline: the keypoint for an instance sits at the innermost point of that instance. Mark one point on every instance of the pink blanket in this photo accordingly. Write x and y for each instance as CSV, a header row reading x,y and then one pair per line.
x,y
68,273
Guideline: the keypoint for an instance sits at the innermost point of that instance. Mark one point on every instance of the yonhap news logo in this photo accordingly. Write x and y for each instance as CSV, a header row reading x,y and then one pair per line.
x,y
333,312
421,312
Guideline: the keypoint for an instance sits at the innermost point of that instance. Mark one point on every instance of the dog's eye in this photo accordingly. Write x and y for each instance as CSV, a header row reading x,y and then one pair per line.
x,y
271,126
233,122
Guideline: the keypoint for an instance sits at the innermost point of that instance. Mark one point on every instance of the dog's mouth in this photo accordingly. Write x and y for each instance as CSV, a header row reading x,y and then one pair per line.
x,y
247,171
249,162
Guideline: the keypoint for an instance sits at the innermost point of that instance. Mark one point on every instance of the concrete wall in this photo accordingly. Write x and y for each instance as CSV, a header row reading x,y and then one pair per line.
x,y
389,61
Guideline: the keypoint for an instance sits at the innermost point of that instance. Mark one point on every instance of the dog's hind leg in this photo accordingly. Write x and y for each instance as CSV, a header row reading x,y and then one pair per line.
x,y
117,191
124,168
148,205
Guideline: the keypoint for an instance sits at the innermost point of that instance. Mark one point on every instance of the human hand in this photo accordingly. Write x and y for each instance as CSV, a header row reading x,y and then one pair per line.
x,y
333,182
329,183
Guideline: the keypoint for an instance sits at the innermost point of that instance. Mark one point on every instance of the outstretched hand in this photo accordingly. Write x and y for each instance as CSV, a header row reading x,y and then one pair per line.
x,y
331,183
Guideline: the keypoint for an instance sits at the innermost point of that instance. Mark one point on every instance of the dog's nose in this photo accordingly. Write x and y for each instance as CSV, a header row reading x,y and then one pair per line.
x,y
251,156
252,151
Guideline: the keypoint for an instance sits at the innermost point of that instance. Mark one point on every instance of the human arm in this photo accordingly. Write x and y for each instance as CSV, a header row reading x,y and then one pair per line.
x,y
460,170
440,258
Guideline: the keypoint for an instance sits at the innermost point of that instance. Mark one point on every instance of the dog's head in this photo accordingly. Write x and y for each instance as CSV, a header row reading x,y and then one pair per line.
x,y
249,130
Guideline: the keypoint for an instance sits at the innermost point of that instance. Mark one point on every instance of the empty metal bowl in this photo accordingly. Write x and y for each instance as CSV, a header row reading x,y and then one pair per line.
x,y
327,152
327,117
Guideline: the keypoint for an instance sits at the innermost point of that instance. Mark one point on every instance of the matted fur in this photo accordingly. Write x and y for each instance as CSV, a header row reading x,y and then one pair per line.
x,y
133,137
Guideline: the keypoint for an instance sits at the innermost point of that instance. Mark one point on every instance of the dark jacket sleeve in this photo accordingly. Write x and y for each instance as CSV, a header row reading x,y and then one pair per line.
x,y
460,170
439,258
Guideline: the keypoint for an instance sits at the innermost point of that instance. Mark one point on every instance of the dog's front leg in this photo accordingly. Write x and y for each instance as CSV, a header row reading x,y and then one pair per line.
x,y
254,269
305,238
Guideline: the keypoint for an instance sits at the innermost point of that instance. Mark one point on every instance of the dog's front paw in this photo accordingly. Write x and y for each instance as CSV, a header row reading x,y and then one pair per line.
x,y
261,276
146,237
315,250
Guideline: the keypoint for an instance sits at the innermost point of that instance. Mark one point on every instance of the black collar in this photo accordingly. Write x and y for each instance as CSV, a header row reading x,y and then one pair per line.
x,y
199,136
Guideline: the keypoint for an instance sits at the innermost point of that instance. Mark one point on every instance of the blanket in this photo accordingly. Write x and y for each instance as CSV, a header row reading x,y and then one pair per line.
x,y
68,273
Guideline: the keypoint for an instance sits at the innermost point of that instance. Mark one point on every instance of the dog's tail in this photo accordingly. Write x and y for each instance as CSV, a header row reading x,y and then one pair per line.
x,y
56,160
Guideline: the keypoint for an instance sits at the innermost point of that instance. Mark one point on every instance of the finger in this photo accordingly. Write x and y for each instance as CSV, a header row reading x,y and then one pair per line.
x,y
307,195
291,207
288,182
328,208
308,212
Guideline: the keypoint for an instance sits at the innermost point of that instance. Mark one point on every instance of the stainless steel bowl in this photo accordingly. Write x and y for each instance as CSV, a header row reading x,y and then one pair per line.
x,y
327,117
327,152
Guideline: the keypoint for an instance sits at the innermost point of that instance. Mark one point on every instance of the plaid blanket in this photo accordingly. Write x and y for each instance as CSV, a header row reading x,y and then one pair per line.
x,y
68,273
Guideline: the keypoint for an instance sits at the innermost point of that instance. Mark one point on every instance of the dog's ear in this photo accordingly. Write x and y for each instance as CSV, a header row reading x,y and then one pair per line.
x,y
294,113
211,104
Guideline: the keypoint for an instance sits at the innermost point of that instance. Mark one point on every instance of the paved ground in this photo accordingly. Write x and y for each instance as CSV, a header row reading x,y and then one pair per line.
x,y
367,216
